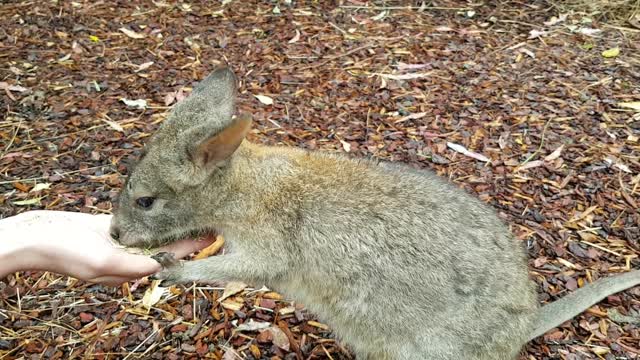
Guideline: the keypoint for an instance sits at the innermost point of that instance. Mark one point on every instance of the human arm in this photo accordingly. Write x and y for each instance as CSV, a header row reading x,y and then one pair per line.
x,y
77,245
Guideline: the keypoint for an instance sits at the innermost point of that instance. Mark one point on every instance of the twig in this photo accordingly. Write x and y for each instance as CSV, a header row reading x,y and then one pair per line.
x,y
404,8
337,56
13,138
544,130
42,177
601,248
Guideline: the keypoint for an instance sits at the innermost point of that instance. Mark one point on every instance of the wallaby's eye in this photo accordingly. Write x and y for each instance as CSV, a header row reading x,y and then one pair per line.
x,y
145,202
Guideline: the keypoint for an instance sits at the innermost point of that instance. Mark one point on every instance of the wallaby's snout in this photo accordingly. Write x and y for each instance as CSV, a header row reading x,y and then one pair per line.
x,y
114,230
115,233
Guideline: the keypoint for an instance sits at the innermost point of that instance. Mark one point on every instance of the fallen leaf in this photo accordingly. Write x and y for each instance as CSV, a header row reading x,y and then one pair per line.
x,y
404,76
536,33
556,20
528,52
295,38
231,354
403,66
232,288
287,310
345,145
613,52
411,117
40,187
252,325
94,38
153,294
622,167
114,125
6,86
140,103
264,99
20,186
144,66
27,202
444,28
280,339
461,149
555,154
132,34
634,105
588,31
531,165
232,305
318,325
380,16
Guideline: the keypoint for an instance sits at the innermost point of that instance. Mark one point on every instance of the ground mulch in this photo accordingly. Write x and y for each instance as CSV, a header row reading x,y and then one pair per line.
x,y
533,110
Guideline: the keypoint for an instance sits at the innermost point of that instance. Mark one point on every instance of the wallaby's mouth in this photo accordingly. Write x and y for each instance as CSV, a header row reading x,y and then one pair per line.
x,y
197,234
152,241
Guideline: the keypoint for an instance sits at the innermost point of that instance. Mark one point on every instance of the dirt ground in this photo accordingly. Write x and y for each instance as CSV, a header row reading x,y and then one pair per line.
x,y
534,110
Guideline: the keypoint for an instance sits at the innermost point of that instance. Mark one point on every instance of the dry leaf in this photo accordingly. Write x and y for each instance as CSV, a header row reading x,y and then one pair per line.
x,y
411,117
34,201
40,187
144,66
264,99
280,339
231,305
555,154
531,165
536,33
6,86
114,125
295,38
140,103
634,105
404,76
345,145
588,31
231,354
153,294
132,34
613,52
232,288
252,325
461,149
556,20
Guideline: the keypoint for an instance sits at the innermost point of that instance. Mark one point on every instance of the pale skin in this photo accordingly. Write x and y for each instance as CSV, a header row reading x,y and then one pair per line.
x,y
77,245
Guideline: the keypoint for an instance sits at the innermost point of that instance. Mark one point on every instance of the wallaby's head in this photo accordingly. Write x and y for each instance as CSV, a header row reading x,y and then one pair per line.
x,y
162,198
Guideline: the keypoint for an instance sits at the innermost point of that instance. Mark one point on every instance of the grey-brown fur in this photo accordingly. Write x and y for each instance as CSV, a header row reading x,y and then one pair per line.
x,y
401,264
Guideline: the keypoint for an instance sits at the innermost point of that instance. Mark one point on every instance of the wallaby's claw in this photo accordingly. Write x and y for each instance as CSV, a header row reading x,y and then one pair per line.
x,y
165,259
169,275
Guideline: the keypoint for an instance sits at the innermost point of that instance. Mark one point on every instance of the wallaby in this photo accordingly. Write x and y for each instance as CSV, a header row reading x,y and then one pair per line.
x,y
400,263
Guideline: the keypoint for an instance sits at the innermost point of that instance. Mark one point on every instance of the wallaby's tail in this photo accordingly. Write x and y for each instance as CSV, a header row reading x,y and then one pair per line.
x,y
557,312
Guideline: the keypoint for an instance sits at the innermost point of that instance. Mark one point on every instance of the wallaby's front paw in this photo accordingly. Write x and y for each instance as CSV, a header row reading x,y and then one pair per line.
x,y
165,259
169,276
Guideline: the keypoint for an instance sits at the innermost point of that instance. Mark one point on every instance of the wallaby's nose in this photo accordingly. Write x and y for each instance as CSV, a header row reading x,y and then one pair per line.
x,y
115,233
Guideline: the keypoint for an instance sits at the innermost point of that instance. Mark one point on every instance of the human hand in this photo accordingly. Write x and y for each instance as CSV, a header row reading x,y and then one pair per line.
x,y
77,245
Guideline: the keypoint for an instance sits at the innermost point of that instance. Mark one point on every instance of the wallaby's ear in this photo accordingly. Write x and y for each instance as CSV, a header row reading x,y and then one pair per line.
x,y
217,92
213,150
